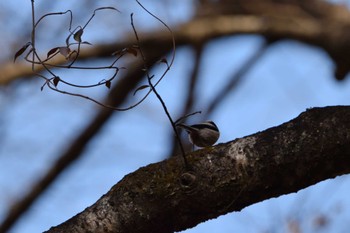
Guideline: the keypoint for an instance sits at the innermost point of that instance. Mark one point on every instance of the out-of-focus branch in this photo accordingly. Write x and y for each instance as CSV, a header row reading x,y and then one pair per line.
x,y
193,79
116,97
328,28
189,93
235,79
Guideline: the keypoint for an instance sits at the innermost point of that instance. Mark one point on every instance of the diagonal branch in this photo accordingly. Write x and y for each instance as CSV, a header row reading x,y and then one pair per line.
x,y
116,97
163,197
189,93
235,80
327,28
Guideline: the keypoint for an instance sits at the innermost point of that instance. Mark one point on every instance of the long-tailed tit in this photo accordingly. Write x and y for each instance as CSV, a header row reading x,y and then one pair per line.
x,y
203,134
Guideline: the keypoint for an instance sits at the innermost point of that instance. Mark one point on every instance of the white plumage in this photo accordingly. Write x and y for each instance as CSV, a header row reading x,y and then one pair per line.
x,y
202,135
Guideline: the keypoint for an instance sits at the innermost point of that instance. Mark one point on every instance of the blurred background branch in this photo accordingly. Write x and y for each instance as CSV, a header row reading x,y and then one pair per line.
x,y
317,23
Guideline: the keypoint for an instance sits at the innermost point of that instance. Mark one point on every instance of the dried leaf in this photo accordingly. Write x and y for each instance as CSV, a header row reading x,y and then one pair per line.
x,y
118,52
72,55
65,51
56,80
108,84
78,34
21,51
141,88
52,51
164,60
132,51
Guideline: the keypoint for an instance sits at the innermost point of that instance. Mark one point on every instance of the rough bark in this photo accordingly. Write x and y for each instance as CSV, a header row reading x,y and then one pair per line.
x,y
164,197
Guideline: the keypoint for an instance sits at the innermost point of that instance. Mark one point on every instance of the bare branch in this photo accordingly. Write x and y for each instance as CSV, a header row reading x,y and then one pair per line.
x,y
190,95
225,178
153,86
116,97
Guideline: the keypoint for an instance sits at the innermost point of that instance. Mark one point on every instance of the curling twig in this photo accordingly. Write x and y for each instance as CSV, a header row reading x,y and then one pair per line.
x,y
153,86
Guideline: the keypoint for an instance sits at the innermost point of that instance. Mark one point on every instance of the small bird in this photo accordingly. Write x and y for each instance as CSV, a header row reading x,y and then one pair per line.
x,y
202,135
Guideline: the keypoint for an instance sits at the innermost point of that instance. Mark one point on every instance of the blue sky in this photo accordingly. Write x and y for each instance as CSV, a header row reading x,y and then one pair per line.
x,y
289,78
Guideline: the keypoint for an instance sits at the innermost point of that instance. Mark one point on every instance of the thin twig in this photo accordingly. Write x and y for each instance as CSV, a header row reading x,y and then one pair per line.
x,y
56,13
36,60
149,77
186,116
117,96
190,93
54,80
33,33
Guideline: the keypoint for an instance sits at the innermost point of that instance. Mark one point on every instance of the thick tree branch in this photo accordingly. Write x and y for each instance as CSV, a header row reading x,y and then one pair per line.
x,y
164,197
324,25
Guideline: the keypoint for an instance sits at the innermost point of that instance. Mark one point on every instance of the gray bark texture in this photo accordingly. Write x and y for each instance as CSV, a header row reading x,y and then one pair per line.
x,y
166,197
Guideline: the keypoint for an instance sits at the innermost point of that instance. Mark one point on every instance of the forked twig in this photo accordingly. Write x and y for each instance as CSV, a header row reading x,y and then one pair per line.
x,y
77,33
73,55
